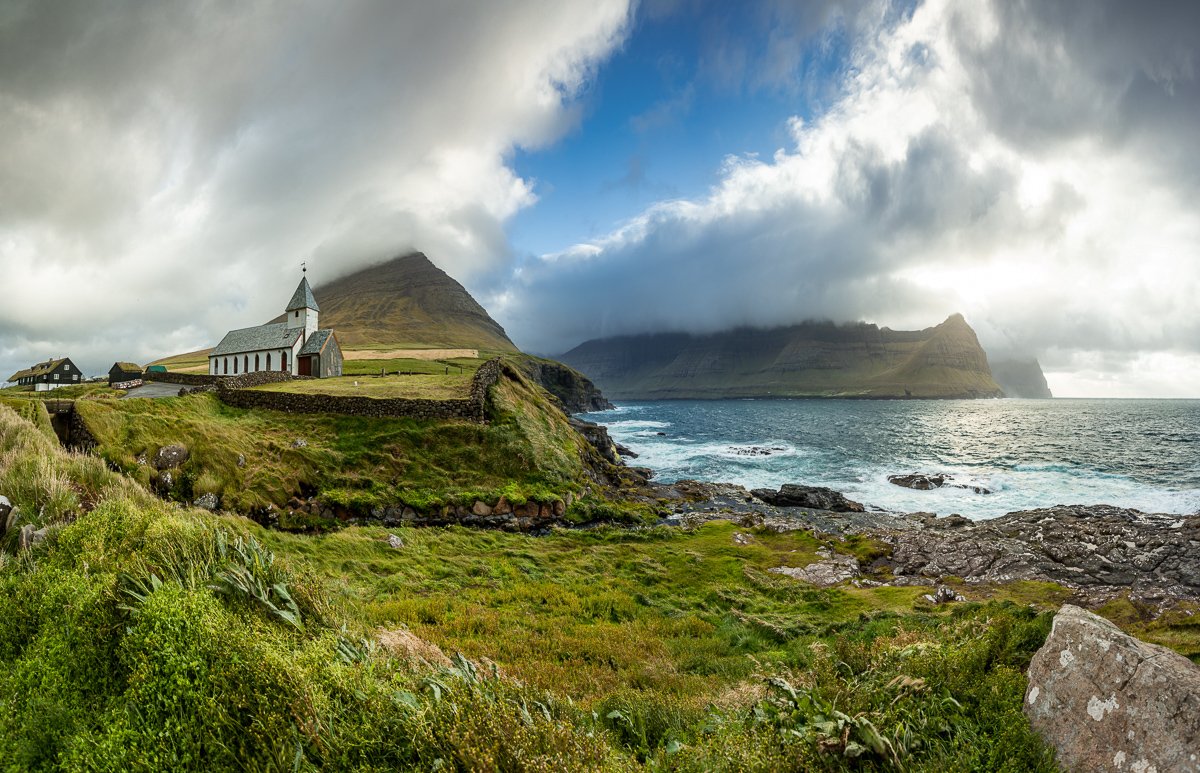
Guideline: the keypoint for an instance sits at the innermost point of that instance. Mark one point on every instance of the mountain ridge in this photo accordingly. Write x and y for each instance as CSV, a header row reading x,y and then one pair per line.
x,y
407,300
811,359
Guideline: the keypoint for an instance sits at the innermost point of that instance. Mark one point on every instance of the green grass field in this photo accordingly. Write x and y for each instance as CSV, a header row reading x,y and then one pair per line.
x,y
429,386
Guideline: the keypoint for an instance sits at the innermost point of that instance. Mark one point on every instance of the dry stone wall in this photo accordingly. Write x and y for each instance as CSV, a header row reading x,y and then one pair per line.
x,y
187,379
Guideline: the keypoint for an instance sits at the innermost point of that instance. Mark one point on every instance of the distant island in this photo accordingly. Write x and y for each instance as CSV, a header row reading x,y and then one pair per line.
x,y
811,359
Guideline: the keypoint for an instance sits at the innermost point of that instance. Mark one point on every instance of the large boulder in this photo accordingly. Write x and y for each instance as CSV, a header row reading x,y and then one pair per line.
x,y
830,570
1108,702
815,497
170,456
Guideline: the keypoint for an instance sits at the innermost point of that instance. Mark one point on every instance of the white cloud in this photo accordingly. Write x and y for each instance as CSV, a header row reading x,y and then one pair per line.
x,y
168,165
983,158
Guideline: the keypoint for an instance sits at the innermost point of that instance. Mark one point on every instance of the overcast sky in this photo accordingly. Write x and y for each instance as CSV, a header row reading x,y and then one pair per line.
x,y
587,169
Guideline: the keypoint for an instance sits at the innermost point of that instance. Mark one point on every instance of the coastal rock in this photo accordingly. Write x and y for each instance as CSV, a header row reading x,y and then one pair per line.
x,y
394,542
170,456
832,569
1100,550
755,450
5,508
1108,702
598,436
923,482
625,451
816,497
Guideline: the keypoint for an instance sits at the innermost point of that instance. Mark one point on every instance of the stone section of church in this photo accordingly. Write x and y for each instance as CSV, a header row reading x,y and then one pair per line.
x,y
297,346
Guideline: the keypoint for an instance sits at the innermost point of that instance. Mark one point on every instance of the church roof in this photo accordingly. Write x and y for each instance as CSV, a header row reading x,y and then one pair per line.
x,y
303,297
316,342
276,335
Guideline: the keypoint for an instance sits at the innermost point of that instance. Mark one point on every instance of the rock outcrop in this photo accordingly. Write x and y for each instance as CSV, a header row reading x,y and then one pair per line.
x,y
813,359
923,482
1108,702
598,436
816,497
574,390
832,569
1103,551
1098,551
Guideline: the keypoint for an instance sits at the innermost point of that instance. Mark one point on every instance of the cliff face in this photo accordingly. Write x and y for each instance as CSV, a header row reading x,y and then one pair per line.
x,y
1021,378
574,390
807,360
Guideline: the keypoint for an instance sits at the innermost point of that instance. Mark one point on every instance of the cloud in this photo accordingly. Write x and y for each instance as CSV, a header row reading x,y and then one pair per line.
x,y
168,165
1027,164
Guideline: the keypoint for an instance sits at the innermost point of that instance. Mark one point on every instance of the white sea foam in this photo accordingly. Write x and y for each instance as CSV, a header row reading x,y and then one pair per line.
x,y
832,457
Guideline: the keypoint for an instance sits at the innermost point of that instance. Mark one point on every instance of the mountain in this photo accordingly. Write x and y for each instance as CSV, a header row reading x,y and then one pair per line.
x,y
407,301
1020,377
812,359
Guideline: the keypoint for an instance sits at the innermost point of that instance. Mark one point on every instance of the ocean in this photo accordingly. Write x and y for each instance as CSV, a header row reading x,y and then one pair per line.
x,y
1142,454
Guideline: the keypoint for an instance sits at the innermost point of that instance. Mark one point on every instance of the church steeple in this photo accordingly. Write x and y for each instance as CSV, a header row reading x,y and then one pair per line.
x,y
302,310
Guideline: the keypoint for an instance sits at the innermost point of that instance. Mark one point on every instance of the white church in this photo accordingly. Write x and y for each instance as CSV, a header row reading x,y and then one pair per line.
x,y
297,345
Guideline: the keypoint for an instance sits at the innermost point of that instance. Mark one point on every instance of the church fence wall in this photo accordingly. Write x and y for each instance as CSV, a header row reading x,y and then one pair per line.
x,y
187,379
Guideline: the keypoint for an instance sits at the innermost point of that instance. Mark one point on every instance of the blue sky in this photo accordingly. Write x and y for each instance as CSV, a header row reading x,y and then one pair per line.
x,y
659,117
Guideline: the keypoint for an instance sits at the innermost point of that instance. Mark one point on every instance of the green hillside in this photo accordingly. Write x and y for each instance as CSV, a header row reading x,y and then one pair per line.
x,y
407,302
807,360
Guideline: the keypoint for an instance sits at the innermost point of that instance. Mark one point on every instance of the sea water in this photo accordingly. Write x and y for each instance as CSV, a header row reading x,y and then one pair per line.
x,y
1142,454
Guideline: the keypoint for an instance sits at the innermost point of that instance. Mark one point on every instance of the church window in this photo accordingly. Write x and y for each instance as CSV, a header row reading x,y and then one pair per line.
x,y
226,366
283,360
256,362
268,360
245,363
235,366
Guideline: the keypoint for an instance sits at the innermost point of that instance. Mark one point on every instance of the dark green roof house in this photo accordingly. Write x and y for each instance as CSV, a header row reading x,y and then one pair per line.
x,y
48,375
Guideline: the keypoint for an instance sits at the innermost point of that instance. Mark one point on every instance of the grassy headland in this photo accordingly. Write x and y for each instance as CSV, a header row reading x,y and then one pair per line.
x,y
142,636
254,458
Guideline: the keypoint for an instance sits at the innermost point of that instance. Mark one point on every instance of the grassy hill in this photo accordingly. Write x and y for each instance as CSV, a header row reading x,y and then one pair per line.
x,y
807,360
407,302
254,458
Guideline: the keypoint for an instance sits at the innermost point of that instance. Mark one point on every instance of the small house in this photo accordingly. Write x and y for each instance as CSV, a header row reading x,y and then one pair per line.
x,y
297,345
124,372
48,375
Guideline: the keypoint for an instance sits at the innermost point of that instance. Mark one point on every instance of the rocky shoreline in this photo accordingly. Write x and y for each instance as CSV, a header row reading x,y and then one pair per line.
x,y
1098,551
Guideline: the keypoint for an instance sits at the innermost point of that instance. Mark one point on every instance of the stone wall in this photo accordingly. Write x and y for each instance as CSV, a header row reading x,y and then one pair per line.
x,y
235,391
187,379
257,378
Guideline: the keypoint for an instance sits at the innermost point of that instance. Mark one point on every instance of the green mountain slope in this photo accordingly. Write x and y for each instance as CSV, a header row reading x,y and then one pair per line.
x,y
812,359
407,301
